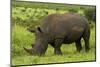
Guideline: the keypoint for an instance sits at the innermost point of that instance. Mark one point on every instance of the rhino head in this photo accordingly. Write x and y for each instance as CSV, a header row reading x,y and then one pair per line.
x,y
41,42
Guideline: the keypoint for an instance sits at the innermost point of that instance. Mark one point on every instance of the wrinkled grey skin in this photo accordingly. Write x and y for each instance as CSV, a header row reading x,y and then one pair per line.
x,y
58,29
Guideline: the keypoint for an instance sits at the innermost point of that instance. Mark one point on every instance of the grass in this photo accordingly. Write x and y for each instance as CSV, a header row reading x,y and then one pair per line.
x,y
22,38
48,5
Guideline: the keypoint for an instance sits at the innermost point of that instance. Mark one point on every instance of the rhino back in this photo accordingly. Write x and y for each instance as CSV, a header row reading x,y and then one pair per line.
x,y
69,25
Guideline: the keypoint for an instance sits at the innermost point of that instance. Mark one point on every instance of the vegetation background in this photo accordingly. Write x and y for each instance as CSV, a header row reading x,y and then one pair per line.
x,y
29,14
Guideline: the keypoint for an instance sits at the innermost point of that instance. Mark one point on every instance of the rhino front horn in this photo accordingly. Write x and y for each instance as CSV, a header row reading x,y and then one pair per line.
x,y
28,50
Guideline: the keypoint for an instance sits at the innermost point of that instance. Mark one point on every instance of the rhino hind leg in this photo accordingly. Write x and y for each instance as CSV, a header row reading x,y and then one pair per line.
x,y
86,37
57,45
78,45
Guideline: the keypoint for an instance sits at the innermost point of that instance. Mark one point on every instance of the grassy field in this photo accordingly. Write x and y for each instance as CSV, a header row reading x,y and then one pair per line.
x,y
46,5
23,38
25,14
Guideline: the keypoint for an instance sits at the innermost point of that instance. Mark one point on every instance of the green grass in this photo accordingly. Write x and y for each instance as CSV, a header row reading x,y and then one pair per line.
x,y
48,5
22,38
30,13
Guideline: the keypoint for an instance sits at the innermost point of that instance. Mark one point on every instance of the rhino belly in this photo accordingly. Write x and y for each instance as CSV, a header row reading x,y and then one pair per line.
x,y
73,35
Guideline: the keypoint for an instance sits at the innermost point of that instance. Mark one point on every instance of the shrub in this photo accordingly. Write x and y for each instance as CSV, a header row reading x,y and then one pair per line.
x,y
73,10
90,14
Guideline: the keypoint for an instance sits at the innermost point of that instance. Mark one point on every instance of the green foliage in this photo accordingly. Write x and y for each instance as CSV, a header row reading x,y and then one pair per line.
x,y
92,24
29,14
20,38
90,13
43,5
73,10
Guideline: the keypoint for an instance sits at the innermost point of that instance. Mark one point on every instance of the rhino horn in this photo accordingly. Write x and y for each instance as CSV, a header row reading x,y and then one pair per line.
x,y
28,50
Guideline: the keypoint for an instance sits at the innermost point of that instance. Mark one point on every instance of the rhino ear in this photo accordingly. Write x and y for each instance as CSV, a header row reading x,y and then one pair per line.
x,y
39,29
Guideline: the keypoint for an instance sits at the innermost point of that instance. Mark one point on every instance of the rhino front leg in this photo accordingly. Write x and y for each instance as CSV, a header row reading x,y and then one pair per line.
x,y
58,43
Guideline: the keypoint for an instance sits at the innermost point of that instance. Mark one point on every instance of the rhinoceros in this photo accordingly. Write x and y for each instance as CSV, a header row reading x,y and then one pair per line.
x,y
58,29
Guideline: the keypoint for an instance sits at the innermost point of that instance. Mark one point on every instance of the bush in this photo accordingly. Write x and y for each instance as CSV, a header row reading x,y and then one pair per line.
x,y
92,25
73,10
90,14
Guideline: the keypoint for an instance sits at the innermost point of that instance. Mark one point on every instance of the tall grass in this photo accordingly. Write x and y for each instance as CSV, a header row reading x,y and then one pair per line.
x,y
22,38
